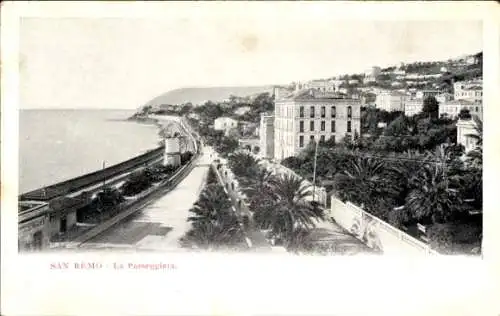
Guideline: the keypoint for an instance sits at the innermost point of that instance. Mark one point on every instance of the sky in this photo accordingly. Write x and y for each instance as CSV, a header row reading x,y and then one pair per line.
x,y
124,62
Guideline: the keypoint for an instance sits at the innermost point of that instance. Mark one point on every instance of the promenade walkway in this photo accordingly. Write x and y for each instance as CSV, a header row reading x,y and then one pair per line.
x,y
159,225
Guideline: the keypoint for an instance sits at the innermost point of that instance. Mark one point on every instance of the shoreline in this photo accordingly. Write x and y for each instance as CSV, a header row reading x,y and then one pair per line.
x,y
145,121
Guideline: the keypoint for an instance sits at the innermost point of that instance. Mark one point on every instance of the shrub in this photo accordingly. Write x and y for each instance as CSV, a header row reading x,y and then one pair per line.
x,y
186,157
138,182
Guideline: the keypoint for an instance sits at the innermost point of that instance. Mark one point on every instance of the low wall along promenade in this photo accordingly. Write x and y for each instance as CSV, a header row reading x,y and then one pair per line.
x,y
376,233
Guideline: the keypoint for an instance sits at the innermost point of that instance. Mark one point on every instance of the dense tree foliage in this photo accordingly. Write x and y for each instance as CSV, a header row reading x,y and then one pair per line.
x,y
214,224
431,107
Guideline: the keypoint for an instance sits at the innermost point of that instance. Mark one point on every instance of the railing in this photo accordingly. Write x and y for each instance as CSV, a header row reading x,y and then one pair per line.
x,y
347,214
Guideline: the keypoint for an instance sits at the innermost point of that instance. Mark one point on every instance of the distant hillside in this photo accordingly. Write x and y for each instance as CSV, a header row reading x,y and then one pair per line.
x,y
200,95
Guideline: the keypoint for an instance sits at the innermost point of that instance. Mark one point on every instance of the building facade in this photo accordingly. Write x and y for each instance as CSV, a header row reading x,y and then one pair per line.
x,y
33,226
319,85
473,94
423,94
413,106
391,101
225,124
373,72
172,154
444,97
310,116
452,108
266,135
468,90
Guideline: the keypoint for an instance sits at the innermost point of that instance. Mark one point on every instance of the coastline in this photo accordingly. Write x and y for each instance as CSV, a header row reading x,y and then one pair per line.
x,y
132,119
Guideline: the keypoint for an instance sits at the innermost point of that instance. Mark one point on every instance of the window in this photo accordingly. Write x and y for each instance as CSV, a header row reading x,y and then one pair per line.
x,y
312,111
334,111
332,139
301,111
349,112
333,126
323,111
311,126
301,127
301,141
477,109
322,126
349,129
311,138
322,139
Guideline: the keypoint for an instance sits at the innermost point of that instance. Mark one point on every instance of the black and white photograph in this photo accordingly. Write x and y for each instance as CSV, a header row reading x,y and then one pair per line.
x,y
260,133
338,160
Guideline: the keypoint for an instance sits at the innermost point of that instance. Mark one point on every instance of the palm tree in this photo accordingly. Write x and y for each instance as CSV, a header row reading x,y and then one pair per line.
x,y
207,235
213,206
475,156
257,185
370,184
433,195
243,164
214,224
285,208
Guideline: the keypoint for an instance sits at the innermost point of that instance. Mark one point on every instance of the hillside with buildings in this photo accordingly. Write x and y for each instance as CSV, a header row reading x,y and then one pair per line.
x,y
200,95
360,136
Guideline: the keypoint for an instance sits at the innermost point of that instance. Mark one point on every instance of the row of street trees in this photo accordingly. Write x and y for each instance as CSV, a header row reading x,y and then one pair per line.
x,y
279,204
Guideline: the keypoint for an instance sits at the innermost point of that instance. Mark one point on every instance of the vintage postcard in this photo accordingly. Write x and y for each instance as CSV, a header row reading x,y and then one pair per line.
x,y
240,158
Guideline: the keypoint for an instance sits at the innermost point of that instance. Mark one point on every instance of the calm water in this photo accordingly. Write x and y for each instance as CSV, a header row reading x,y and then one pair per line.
x,y
56,145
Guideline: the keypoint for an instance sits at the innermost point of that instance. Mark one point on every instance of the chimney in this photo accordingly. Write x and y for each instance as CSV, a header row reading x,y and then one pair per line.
x,y
297,87
276,93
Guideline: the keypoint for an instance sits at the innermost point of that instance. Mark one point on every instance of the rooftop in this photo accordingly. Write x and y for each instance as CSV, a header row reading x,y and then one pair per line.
x,y
459,101
29,206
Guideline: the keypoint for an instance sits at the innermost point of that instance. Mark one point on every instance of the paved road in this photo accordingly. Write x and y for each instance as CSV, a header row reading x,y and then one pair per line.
x,y
160,225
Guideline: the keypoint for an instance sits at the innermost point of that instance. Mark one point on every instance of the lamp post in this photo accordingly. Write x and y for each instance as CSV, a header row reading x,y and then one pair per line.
x,y
104,179
314,172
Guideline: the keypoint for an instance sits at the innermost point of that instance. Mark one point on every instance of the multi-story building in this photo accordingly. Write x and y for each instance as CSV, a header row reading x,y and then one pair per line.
x,y
266,135
452,108
391,101
308,116
444,97
225,124
320,85
422,94
471,91
414,106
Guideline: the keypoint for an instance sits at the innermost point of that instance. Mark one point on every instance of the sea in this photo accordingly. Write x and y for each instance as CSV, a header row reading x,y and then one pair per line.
x,y
56,145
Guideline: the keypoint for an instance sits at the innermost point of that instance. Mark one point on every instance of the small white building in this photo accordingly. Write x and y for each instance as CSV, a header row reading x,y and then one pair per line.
x,y
373,72
465,128
444,97
413,106
422,94
391,101
225,124
472,91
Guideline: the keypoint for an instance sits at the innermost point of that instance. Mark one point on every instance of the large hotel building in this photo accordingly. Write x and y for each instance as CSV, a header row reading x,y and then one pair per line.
x,y
311,115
